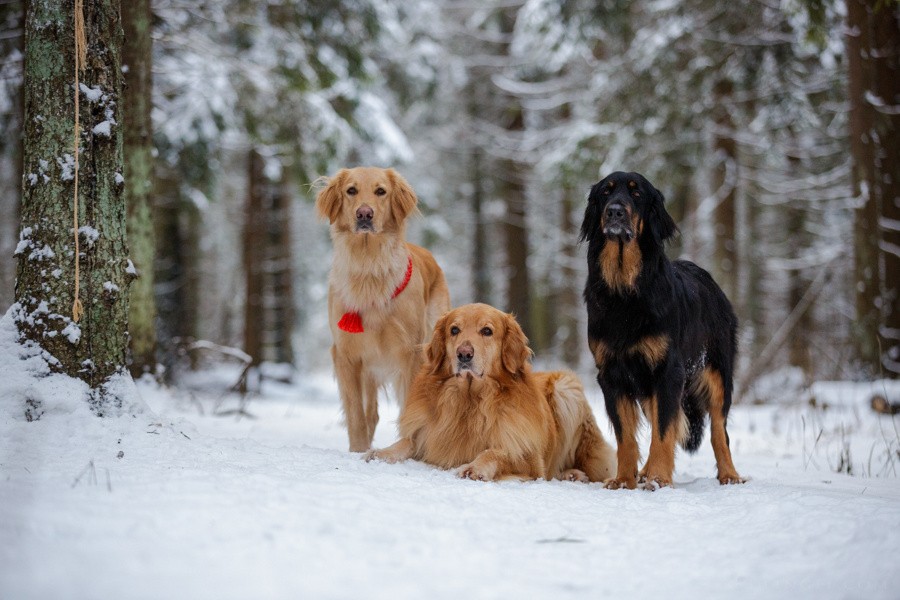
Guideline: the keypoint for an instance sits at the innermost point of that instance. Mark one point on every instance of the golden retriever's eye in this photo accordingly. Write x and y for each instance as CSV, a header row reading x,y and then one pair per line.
x,y
380,191
487,331
454,330
352,191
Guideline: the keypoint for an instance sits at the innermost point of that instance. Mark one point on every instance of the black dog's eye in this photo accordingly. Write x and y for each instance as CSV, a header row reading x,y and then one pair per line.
x,y
486,332
636,194
351,191
380,192
454,330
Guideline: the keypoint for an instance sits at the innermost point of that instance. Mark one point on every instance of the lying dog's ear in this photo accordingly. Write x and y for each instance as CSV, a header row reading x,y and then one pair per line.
x,y
436,351
328,202
662,225
515,351
403,198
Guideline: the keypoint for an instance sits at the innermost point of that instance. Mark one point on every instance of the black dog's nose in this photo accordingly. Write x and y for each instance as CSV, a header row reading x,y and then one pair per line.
x,y
465,353
615,211
364,213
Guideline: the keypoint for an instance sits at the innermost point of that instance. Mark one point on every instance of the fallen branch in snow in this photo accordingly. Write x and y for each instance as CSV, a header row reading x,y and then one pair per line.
x,y
89,469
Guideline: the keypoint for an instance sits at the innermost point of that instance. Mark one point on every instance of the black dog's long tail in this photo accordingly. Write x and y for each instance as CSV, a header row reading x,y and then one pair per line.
x,y
696,418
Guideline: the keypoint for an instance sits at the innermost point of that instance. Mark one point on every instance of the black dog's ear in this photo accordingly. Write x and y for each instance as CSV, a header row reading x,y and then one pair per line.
x,y
592,213
662,225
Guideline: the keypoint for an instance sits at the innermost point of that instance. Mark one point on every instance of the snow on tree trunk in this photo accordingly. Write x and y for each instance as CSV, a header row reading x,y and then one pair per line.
x,y
92,349
136,56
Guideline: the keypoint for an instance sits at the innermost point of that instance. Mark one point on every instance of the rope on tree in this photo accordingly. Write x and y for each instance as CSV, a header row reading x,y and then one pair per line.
x,y
80,59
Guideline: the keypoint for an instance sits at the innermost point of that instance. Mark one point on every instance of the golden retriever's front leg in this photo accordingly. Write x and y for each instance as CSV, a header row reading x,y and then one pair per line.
x,y
350,387
491,465
399,451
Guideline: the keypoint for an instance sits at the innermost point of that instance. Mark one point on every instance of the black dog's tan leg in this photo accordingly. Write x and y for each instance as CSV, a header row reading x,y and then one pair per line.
x,y
627,453
724,465
370,395
349,380
661,461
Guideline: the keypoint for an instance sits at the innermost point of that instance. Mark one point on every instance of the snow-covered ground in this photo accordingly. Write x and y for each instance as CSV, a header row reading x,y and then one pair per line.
x,y
177,502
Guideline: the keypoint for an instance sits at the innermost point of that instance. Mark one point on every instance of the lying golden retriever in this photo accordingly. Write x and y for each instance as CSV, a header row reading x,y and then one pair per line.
x,y
477,405
384,294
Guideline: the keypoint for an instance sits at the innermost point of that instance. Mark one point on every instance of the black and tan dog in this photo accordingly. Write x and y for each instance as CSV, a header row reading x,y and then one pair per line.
x,y
662,333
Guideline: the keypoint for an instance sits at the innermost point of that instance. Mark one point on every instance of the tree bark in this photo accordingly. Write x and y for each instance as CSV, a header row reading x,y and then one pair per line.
x,y
725,214
254,245
136,57
873,52
281,288
94,348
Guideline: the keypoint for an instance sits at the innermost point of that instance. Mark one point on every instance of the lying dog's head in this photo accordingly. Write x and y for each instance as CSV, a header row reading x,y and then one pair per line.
x,y
622,207
366,200
477,341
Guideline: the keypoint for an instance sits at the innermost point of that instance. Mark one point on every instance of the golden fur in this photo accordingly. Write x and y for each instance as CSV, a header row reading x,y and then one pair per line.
x,y
493,418
368,266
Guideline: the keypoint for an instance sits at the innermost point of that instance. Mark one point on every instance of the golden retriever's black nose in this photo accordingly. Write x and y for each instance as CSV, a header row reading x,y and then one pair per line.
x,y
364,213
465,352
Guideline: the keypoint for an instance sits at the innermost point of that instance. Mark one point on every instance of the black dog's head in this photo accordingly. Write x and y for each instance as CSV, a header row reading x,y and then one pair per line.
x,y
625,207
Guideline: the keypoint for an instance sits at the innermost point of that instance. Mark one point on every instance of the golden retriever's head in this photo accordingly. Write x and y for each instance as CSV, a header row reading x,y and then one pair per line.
x,y
477,340
366,200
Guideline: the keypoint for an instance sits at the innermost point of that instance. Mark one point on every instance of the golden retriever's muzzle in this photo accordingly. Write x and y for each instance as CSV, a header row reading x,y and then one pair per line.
x,y
617,221
464,363
364,216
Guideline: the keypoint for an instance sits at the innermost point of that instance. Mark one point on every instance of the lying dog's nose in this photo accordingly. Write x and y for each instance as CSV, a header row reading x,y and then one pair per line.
x,y
364,213
615,211
465,352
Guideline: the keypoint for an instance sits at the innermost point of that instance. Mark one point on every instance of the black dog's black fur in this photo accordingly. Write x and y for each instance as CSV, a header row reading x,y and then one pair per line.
x,y
675,301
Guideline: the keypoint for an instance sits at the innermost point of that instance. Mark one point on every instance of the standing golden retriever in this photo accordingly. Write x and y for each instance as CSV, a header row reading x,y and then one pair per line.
x,y
477,405
384,294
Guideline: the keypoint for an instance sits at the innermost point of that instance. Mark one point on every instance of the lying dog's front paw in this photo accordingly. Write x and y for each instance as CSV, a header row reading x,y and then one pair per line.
x,y
651,484
476,472
575,475
383,455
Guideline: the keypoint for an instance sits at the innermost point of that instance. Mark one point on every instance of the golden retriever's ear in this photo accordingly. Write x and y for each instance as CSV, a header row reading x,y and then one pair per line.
x,y
436,351
515,350
328,202
403,198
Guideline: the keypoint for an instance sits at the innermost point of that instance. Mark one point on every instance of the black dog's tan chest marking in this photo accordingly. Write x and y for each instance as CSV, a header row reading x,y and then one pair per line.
x,y
652,349
620,265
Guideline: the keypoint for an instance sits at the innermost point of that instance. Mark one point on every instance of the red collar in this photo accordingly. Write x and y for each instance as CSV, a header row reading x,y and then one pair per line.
x,y
351,322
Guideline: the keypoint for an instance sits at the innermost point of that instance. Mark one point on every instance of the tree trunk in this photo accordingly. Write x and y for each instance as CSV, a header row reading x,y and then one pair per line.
x,y
481,273
136,57
798,243
568,306
12,47
725,213
253,253
280,273
94,348
873,52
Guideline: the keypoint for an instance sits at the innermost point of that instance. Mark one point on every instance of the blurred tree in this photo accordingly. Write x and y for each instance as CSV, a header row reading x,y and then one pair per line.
x,y
873,53
94,347
138,151
12,39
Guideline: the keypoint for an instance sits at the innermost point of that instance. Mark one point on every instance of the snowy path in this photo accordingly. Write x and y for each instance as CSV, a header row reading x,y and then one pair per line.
x,y
274,507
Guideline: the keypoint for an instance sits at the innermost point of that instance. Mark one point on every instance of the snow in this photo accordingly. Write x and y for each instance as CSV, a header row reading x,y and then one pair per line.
x,y
104,128
72,331
130,269
92,94
169,500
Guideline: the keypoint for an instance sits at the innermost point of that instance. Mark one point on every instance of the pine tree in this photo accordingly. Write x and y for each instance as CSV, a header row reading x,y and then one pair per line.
x,y
92,348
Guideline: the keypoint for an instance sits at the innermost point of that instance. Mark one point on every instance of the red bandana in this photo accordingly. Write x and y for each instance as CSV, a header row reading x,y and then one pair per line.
x,y
351,322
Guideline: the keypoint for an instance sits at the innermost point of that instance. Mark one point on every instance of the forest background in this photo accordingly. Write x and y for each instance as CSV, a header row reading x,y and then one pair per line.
x,y
771,127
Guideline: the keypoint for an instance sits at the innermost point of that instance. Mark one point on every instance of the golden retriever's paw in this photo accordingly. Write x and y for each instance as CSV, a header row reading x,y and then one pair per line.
x,y
575,475
730,478
651,484
382,455
476,472
619,483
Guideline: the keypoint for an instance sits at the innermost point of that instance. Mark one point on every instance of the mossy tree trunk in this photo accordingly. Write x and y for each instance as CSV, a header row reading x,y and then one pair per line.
x,y
94,348
136,57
